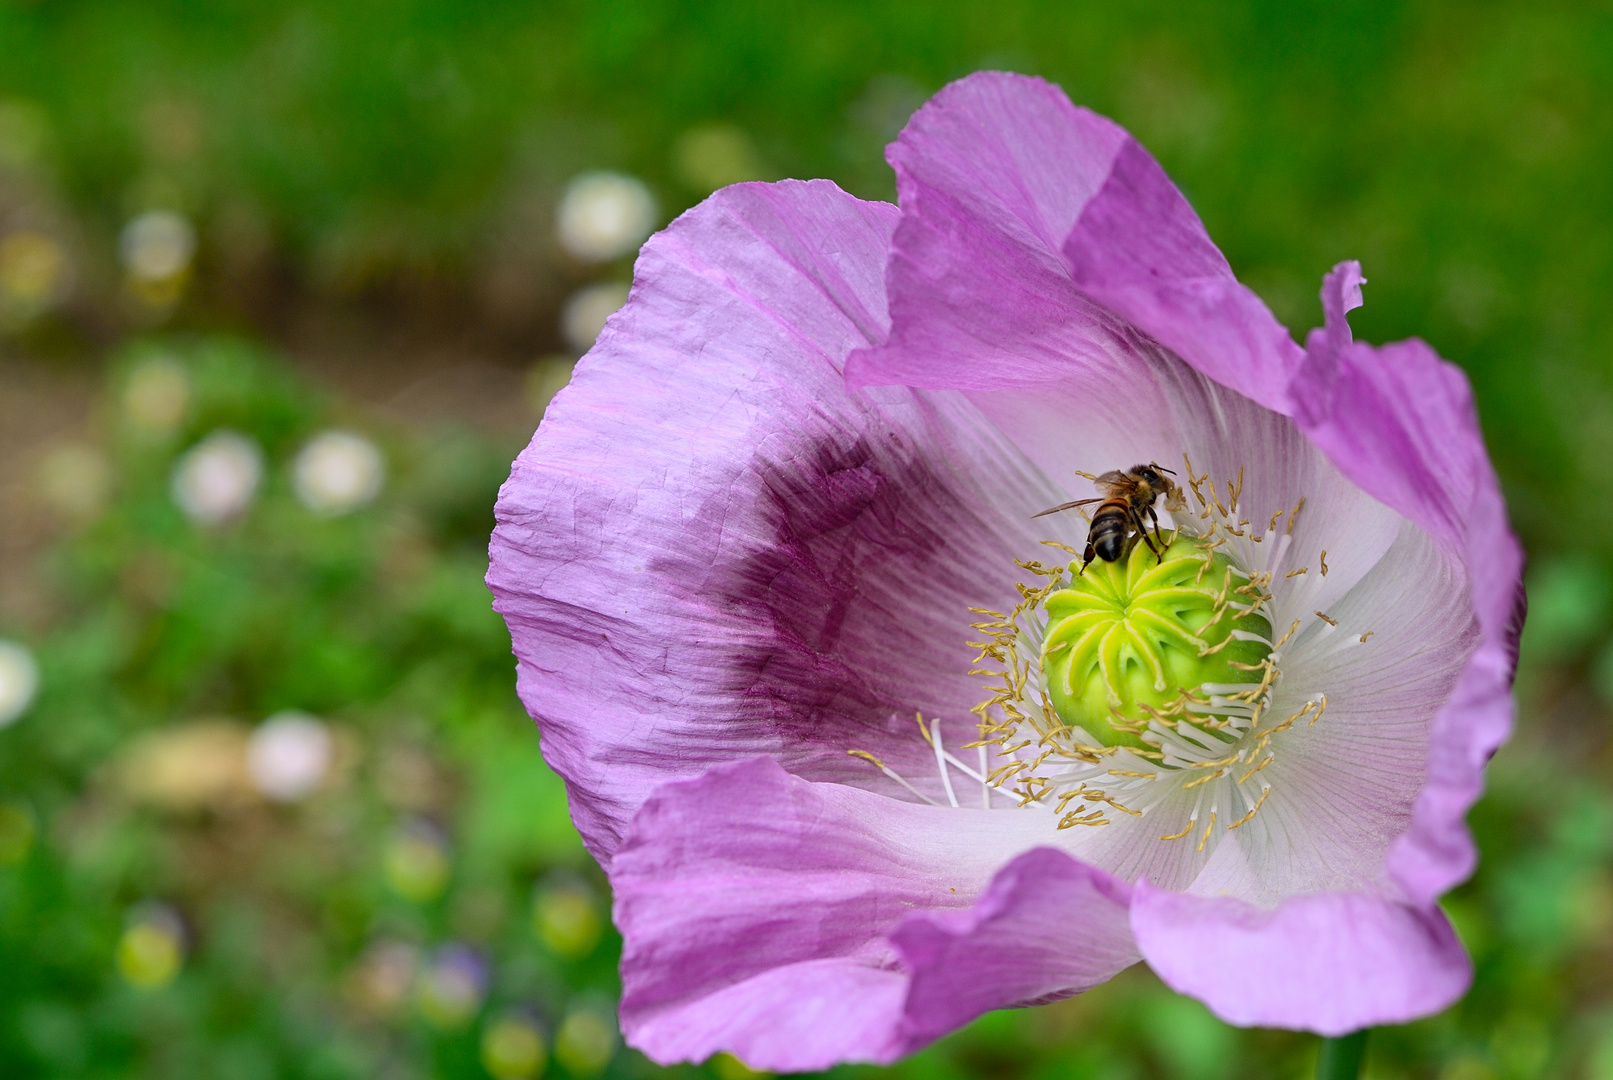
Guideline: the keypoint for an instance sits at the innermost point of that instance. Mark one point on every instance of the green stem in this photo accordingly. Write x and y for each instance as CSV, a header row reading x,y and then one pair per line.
x,y
1342,1057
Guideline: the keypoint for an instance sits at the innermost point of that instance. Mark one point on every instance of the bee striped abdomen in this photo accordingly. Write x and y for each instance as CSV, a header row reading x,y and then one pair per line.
x,y
1108,532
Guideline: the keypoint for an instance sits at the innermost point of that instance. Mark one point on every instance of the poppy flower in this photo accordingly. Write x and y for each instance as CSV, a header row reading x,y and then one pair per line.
x,y
867,748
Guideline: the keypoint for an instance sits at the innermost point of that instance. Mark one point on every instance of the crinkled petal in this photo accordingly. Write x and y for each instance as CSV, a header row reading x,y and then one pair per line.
x,y
1027,225
710,551
1370,445
992,175
1140,250
1400,422
1343,787
1049,926
979,246
1332,963
798,925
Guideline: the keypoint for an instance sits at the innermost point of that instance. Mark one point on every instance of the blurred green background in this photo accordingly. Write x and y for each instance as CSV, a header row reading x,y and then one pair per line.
x,y
274,810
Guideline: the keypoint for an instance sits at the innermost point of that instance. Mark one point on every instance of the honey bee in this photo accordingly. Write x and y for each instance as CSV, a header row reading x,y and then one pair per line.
x,y
1126,497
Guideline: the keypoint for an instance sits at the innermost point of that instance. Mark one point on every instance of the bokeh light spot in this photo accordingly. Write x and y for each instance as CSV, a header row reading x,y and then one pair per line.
x,y
75,480
289,755
157,396
586,1041
566,915
513,1048
450,989
152,948
218,478
416,861
19,681
33,268
714,156
585,312
604,215
157,246
337,472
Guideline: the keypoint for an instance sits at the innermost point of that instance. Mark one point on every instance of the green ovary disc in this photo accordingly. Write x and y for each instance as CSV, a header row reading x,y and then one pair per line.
x,y
1130,634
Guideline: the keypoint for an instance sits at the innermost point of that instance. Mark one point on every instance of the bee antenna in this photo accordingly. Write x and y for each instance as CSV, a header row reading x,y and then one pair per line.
x,y
1162,468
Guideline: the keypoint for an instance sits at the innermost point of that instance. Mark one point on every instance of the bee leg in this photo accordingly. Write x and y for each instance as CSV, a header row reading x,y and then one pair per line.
x,y
1142,531
1087,557
1154,514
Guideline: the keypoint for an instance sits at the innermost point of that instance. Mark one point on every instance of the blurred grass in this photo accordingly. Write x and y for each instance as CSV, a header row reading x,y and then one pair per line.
x,y
399,164
1458,149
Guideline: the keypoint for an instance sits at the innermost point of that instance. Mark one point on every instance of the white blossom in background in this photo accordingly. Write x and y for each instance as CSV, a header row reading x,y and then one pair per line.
x,y
217,478
586,310
338,471
19,681
289,755
157,246
156,396
604,215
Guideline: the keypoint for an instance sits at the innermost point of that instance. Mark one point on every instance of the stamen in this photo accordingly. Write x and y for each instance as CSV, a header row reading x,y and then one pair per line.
x,y
880,765
1253,810
1269,759
941,760
1185,830
1293,515
1077,710
1205,838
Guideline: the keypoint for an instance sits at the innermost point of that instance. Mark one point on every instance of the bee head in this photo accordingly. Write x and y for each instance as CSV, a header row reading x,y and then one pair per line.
x,y
1150,476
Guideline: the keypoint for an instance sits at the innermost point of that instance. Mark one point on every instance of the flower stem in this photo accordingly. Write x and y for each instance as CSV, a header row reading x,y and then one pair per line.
x,y
1342,1057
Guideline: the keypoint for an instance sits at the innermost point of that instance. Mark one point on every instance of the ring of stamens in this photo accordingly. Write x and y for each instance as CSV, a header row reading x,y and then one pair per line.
x,y
1195,711
1132,641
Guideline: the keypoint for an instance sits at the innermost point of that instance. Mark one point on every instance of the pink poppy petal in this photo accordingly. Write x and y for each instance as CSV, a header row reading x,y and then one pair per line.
x,y
1332,963
797,924
1400,422
710,551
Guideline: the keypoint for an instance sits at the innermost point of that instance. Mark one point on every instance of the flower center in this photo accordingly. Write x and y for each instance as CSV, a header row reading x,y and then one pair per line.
x,y
1148,687
1141,639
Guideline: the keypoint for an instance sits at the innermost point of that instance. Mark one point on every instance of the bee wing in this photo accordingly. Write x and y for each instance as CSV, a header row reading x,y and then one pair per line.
x,y
1112,477
1064,506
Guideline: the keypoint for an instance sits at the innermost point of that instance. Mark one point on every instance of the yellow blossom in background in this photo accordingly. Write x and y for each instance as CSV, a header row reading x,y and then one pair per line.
x,y
416,861
586,1041
33,268
75,480
728,1067
152,948
566,916
716,155
156,397
513,1048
